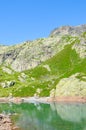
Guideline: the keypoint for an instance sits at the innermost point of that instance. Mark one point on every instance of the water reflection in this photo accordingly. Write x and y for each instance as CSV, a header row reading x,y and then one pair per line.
x,y
54,116
70,112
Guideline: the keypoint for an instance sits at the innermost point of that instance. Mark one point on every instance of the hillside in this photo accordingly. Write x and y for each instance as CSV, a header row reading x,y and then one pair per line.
x,y
53,66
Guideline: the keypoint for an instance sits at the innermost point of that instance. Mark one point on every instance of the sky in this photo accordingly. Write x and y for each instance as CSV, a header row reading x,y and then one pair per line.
x,y
22,20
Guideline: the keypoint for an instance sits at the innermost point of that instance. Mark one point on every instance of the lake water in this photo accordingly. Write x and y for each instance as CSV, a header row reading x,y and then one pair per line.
x,y
54,116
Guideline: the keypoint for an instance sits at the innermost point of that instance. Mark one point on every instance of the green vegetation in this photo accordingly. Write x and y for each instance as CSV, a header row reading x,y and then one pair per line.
x,y
40,80
84,35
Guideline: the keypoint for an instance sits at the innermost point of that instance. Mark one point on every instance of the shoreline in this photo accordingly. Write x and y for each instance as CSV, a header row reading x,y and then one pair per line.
x,y
43,99
6,123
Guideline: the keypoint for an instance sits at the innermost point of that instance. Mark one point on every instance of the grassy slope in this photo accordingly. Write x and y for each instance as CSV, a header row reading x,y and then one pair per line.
x,y
63,64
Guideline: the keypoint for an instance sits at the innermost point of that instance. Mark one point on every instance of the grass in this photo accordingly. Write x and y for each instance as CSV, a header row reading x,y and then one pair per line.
x,y
64,64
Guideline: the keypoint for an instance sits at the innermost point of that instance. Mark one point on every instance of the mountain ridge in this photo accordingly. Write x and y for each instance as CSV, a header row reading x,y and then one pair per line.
x,y
39,67
70,30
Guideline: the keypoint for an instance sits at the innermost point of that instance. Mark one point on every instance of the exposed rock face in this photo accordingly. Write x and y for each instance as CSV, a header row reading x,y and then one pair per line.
x,y
80,48
69,30
30,54
27,55
71,86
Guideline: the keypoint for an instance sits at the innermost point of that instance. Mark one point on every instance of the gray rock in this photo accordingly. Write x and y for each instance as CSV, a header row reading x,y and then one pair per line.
x,y
7,70
71,86
69,30
7,84
29,54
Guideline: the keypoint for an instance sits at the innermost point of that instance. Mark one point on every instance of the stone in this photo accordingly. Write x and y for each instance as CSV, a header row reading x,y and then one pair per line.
x,y
7,70
7,84
71,86
52,93
47,67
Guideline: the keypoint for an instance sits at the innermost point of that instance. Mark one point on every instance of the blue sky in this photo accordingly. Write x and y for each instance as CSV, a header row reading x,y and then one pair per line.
x,y
22,20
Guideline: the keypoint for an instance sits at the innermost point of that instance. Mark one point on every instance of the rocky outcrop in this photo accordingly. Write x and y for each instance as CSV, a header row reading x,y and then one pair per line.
x,y
71,86
69,30
27,55
7,84
32,53
80,47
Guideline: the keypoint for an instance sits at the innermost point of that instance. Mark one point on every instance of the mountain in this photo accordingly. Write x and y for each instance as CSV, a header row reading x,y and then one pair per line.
x,y
53,66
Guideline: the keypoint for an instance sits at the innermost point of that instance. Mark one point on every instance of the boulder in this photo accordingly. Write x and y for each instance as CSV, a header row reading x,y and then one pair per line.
x,y
71,86
7,84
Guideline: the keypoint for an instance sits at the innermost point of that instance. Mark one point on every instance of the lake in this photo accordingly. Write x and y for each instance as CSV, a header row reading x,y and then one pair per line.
x,y
53,116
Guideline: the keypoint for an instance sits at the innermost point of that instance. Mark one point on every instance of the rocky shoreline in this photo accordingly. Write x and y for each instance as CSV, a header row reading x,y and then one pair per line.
x,y
6,123
43,99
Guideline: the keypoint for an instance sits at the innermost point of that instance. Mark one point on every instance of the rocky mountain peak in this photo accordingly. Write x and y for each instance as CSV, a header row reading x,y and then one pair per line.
x,y
69,30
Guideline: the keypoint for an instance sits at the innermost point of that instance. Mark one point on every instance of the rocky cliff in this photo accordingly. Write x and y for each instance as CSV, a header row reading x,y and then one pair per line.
x,y
47,66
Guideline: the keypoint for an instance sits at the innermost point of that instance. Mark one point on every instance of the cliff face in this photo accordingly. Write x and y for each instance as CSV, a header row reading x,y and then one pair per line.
x,y
39,67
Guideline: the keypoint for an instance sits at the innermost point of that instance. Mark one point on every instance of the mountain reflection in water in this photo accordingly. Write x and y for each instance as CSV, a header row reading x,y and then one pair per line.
x,y
53,116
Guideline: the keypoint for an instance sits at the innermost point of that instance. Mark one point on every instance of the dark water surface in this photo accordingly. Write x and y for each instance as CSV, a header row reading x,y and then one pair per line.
x,y
54,116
